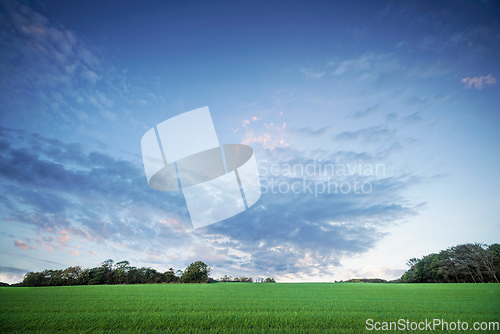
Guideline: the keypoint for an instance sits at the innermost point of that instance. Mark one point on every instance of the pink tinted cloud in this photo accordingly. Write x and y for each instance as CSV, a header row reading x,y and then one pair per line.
x,y
479,82
22,245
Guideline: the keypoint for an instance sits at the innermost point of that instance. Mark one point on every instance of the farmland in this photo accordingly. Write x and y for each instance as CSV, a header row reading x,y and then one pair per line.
x,y
240,307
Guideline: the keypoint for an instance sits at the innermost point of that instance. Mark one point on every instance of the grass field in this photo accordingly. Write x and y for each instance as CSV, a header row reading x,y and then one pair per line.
x,y
241,307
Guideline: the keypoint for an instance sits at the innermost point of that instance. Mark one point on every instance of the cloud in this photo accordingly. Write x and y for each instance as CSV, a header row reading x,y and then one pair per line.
x,y
364,62
279,237
11,274
91,76
12,270
388,272
463,27
368,111
271,138
64,191
370,272
300,234
309,132
22,245
109,115
479,82
63,239
56,71
371,134
41,260
106,201
48,56
357,34
310,73
373,67
427,101
267,140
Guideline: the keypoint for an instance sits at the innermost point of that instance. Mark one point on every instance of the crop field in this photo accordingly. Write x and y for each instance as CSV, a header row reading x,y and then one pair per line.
x,y
241,307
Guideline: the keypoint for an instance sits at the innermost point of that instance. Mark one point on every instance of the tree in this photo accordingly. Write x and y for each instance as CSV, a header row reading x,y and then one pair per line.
x,y
488,259
71,275
412,262
226,279
108,264
121,270
196,272
122,273
178,274
494,250
464,263
169,276
34,279
53,277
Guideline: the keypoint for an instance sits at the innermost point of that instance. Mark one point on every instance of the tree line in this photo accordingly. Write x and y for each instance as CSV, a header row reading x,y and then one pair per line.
x,y
246,279
464,263
367,280
123,273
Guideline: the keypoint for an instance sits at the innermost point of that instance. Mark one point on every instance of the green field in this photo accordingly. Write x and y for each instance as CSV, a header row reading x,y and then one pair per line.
x,y
241,307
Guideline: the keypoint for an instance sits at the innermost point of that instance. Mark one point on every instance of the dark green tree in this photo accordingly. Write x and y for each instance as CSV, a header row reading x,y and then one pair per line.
x,y
169,276
464,263
196,272
34,279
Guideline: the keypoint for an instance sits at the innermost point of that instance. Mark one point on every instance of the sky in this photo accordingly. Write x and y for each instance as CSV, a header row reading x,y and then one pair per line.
x,y
410,87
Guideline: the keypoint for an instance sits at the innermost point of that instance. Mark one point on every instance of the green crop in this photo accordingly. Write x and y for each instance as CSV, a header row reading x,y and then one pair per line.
x,y
241,307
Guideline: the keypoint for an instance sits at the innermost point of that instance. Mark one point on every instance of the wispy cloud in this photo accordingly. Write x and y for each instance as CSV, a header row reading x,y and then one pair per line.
x,y
371,134
65,81
366,112
427,101
309,132
311,73
364,62
273,136
12,270
367,66
479,82
22,245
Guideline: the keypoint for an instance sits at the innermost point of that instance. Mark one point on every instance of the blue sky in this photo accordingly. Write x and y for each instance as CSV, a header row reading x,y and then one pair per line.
x,y
410,86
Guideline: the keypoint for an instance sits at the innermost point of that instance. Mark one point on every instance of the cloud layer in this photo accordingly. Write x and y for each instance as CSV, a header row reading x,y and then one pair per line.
x,y
68,196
